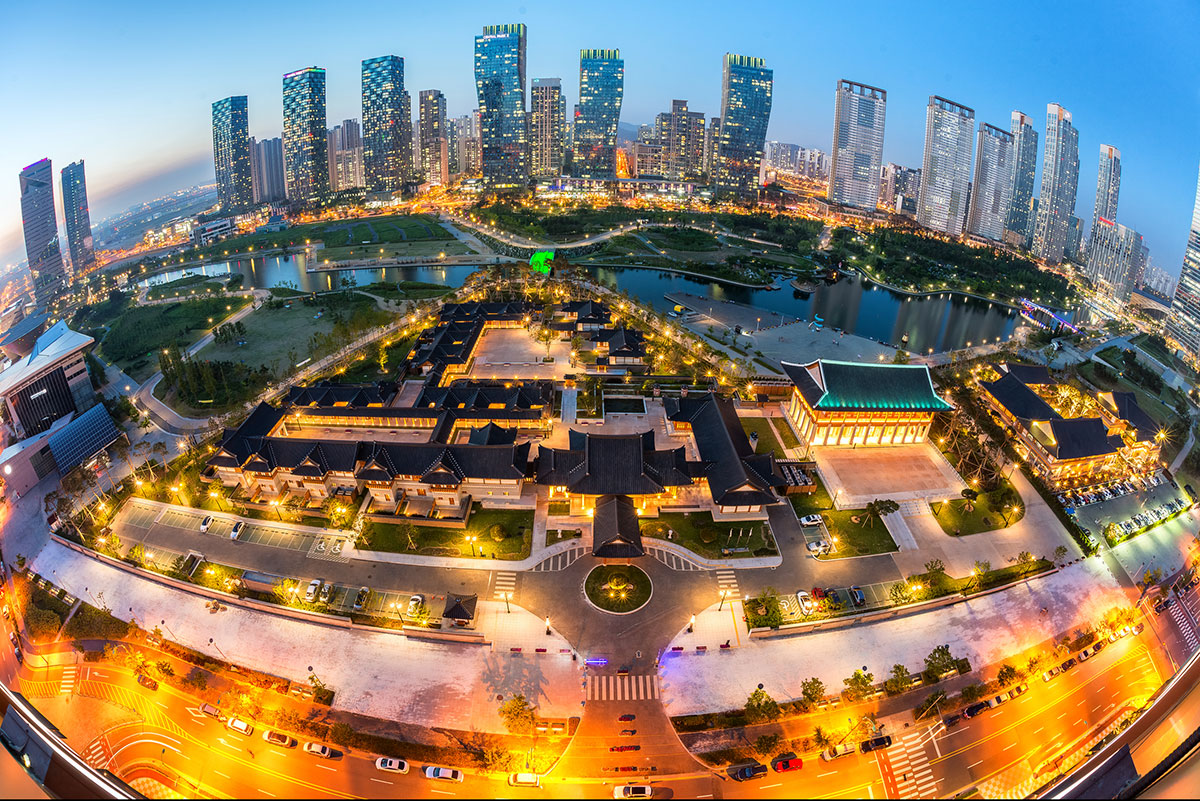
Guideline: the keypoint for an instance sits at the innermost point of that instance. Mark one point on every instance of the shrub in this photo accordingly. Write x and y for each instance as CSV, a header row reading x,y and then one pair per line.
x,y
42,624
497,532
761,707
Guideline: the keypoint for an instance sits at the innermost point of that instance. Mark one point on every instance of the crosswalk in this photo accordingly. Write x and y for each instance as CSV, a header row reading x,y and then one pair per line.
x,y
1185,626
560,561
910,766
97,754
727,584
642,687
506,582
674,560
149,711
70,673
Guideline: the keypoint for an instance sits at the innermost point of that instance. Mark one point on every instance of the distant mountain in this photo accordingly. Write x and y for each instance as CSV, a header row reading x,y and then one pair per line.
x,y
627,132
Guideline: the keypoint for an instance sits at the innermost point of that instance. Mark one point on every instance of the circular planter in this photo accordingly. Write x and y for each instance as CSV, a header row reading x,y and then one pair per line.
x,y
618,589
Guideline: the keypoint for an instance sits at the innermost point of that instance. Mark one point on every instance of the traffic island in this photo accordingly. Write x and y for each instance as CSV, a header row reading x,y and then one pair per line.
x,y
618,589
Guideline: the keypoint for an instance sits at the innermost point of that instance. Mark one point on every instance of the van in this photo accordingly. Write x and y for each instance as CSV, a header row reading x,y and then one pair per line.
x,y
836,751
211,711
524,780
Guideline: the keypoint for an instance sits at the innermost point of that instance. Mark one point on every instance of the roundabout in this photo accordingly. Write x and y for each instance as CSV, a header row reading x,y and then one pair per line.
x,y
618,589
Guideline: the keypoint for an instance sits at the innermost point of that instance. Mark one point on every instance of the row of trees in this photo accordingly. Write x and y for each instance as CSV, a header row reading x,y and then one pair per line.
x,y
220,383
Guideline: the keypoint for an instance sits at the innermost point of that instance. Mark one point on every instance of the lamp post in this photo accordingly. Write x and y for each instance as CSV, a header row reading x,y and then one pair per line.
x,y
722,604
692,624
547,624
217,497
471,541
275,503
507,608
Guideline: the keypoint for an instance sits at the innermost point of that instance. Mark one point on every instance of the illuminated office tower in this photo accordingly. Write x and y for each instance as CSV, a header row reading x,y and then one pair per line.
x,y
946,169
854,171
79,220
435,165
547,123
1060,183
41,231
991,190
500,88
266,170
1018,226
305,146
1113,257
231,152
386,128
746,86
712,135
1108,184
601,88
1183,326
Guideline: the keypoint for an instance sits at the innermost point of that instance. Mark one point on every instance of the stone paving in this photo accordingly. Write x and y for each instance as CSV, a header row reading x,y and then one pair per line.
x,y
856,476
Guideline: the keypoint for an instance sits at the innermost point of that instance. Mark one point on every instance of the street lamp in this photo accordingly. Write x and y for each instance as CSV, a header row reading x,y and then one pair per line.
x,y
692,624
471,541
547,624
722,604
275,503
507,608
217,497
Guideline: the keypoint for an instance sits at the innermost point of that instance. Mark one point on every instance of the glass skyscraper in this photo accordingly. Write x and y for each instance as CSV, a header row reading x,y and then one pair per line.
x,y
857,154
1183,326
601,88
1019,224
991,191
746,86
79,219
1060,183
386,133
305,146
547,125
500,88
41,231
946,169
434,140
1108,184
231,152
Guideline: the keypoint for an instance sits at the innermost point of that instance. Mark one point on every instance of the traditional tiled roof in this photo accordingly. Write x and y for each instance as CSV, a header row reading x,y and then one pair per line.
x,y
328,393
1127,409
1020,401
1082,437
473,395
1028,374
860,386
616,533
612,464
492,434
503,310
627,342
460,607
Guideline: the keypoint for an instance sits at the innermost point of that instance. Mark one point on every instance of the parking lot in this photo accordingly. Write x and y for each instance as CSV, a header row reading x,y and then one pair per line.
x,y
254,531
876,596
1125,508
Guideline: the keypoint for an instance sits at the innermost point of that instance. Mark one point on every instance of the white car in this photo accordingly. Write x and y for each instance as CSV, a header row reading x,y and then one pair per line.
x,y
810,520
818,546
240,726
415,603
236,531
806,602
445,774
318,750
633,791
314,587
205,523
391,765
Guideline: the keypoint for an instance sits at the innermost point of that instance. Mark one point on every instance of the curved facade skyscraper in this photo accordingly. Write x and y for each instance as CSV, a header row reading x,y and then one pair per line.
x,y
41,231
305,138
78,217
500,89
386,133
746,88
601,89
231,152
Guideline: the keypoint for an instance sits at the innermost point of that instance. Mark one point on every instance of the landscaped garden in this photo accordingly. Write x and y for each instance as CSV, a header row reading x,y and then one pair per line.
x,y
986,511
858,532
618,588
767,441
334,234
699,533
135,339
490,534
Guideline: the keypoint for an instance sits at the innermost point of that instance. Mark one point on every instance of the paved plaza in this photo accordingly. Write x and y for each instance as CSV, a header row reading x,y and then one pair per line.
x,y
856,476
505,353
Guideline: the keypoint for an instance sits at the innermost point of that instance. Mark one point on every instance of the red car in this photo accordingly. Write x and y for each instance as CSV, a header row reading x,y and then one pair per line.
x,y
786,762
818,593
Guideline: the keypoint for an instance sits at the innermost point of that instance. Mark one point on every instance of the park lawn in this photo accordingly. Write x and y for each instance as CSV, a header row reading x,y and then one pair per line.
x,y
191,290
987,514
812,503
766,436
866,536
699,533
135,338
405,290
336,233
367,369
270,335
635,592
686,239
393,250
435,541
625,245
786,435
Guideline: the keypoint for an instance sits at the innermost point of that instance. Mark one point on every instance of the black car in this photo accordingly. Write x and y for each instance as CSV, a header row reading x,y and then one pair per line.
x,y
1070,663
950,721
361,600
877,743
749,772
834,597
974,709
1099,646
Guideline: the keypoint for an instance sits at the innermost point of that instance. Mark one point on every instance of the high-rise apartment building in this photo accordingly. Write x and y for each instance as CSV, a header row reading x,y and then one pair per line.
x,y
746,87
1108,184
854,169
991,190
345,156
231,152
901,187
266,170
500,87
40,226
1060,184
435,164
1073,248
1113,256
547,127
681,133
1018,226
946,169
79,220
462,137
1183,326
386,126
601,88
782,156
305,143
712,135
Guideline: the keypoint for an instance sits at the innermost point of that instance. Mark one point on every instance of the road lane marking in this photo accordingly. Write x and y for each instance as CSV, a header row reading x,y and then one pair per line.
x,y
326,767
706,795
973,764
381,781
1063,715
160,703
769,786
1096,708
823,775
1080,721
1039,731
219,773
443,792
264,792
1010,745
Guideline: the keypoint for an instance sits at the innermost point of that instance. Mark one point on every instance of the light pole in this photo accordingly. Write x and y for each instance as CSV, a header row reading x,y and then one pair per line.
x,y
692,624
217,497
275,503
507,608
547,624
722,604
471,541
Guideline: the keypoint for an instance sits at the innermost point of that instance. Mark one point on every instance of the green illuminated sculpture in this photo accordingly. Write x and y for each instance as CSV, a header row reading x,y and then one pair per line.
x,y
540,261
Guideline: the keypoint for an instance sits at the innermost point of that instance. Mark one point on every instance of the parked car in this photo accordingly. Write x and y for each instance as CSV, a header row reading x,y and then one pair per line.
x,y
205,523
950,721
626,718
210,710
415,602
391,765
805,601
856,595
1086,654
17,653
1019,689
1070,663
361,599
876,743
818,593
834,596
818,546
633,791
147,682
240,726
1099,646
837,751
443,774
997,700
750,772
524,780
975,709
318,750
810,520
236,531
326,591
314,587
1051,673
279,738
787,762
1165,603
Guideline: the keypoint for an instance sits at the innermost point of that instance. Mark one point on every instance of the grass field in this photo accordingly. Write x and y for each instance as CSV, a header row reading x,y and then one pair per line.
x,y
394,250
516,544
987,515
699,533
391,228
406,290
766,435
686,239
188,285
786,435
137,336
854,537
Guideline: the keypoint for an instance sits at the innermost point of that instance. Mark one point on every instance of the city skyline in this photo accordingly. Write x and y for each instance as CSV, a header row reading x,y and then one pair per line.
x,y
1156,195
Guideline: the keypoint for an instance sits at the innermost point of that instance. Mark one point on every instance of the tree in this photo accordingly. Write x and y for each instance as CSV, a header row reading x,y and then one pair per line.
x,y
518,715
338,511
858,686
812,690
820,738
973,692
761,707
982,567
900,594
767,745
1007,675
939,662
42,624
1024,559
1060,553
897,682
969,497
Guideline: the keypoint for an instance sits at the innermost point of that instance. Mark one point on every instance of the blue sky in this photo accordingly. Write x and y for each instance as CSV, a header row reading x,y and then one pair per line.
x,y
128,86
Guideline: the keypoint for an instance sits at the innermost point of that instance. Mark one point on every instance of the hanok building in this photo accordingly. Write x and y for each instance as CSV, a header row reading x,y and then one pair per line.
x,y
739,480
853,403
586,315
445,351
616,532
1072,451
619,347
613,464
